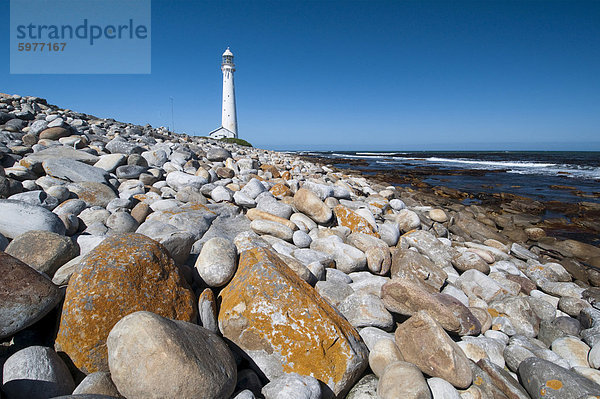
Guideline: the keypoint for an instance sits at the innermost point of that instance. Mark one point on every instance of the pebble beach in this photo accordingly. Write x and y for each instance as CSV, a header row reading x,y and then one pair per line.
x,y
140,263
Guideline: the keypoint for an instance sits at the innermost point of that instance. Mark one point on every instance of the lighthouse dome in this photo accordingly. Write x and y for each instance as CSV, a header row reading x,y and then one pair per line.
x,y
227,52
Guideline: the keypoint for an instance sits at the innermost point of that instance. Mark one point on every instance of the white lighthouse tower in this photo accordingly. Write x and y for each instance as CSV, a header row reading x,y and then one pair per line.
x,y
228,116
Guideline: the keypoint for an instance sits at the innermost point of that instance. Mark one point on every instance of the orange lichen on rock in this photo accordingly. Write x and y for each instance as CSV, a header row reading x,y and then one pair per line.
x,y
286,175
380,203
126,273
554,384
280,190
348,218
285,326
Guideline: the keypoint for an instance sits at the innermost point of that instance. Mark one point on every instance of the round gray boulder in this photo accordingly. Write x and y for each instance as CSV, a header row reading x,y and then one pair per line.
x,y
36,372
18,217
150,356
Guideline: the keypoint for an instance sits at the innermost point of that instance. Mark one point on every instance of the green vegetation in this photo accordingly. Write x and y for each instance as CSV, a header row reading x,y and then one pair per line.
x,y
236,141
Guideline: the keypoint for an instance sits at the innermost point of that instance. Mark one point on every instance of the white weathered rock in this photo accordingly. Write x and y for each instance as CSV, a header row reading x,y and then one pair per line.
x,y
216,263
292,386
402,380
572,350
383,353
261,226
153,357
347,258
179,180
442,389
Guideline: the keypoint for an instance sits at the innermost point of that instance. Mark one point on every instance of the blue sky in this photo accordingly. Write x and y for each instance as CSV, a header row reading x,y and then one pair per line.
x,y
370,75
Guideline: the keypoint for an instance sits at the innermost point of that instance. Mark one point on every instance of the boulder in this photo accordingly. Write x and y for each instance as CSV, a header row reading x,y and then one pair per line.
x,y
356,223
179,180
50,250
18,217
36,372
74,171
347,258
311,205
402,380
545,380
129,273
25,295
98,383
94,194
412,265
216,263
430,246
407,297
423,342
284,326
155,357
292,385
60,152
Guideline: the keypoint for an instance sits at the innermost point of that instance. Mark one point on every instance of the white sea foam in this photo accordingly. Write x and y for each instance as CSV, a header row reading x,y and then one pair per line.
x,y
381,153
351,156
496,164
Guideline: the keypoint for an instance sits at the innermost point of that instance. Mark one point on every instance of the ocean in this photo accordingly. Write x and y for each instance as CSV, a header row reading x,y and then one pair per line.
x,y
564,176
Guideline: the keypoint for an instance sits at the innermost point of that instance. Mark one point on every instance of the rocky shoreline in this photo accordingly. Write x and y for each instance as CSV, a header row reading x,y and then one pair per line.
x,y
140,263
564,220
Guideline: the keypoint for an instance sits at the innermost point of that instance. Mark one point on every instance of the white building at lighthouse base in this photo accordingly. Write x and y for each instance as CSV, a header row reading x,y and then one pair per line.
x,y
221,133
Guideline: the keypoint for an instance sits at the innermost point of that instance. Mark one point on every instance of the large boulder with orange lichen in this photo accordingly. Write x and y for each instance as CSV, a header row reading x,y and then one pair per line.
x,y
284,325
126,273
356,223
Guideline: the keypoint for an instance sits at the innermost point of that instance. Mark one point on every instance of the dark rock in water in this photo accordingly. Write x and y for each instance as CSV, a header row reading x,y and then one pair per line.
x,y
51,250
545,380
25,295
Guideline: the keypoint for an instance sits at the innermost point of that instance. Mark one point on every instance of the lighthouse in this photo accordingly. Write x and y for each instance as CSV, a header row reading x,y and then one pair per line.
x,y
228,114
